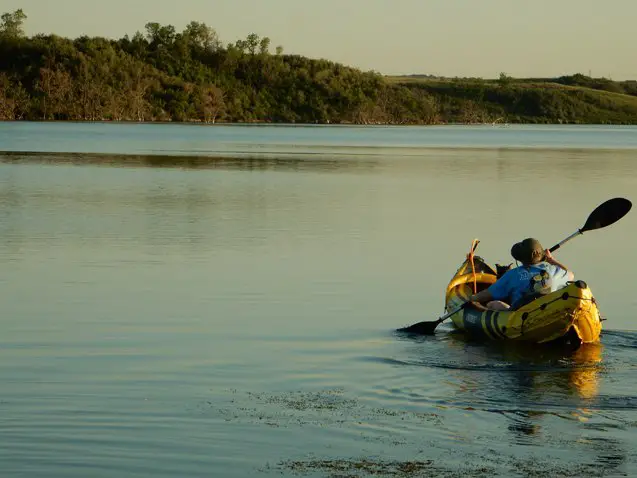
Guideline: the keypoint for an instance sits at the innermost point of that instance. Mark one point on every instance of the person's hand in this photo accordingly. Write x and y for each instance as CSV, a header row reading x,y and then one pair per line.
x,y
548,257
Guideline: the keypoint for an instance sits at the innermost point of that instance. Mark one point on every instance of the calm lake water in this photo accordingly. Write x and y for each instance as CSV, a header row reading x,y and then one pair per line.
x,y
222,301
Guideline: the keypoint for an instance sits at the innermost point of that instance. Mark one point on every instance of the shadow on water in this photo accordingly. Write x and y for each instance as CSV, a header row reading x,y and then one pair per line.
x,y
243,162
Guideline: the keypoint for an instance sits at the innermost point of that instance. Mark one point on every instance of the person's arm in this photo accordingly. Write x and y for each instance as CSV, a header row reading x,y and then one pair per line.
x,y
564,276
548,257
500,290
482,296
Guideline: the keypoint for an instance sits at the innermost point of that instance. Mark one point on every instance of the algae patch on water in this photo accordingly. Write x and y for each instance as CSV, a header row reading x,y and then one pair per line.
x,y
334,434
379,468
322,408
502,467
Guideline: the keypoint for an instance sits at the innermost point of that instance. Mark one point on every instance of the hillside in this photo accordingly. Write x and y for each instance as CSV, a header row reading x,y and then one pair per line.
x,y
191,76
559,100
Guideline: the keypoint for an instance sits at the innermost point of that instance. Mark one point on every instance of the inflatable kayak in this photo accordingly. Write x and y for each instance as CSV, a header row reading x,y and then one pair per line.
x,y
569,313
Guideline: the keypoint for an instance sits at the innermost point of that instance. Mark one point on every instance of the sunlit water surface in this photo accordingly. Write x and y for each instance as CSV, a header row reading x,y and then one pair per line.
x,y
190,301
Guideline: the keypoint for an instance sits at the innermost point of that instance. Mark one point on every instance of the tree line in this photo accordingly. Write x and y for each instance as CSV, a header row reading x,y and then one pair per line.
x,y
162,74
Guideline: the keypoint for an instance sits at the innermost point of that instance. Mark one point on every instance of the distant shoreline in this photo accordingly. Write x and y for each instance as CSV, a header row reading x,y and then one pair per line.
x,y
299,124
191,77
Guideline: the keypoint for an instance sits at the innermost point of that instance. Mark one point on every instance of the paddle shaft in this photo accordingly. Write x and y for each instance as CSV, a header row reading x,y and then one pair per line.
x,y
449,314
579,232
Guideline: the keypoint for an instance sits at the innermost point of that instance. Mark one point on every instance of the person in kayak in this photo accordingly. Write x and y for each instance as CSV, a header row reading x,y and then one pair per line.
x,y
540,273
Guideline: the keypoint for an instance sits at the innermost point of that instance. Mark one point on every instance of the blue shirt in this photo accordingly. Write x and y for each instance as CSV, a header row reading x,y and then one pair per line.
x,y
516,283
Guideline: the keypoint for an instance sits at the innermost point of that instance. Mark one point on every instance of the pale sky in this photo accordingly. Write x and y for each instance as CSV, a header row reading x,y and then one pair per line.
x,y
441,37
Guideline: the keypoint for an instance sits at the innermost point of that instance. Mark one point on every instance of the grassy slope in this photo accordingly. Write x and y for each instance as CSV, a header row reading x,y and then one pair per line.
x,y
519,100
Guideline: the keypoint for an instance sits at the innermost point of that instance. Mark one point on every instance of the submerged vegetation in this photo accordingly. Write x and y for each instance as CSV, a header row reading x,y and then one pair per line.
x,y
165,75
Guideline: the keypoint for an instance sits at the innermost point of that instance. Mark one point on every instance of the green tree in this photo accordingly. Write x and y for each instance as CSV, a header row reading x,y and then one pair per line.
x,y
11,24
202,36
159,35
55,87
252,41
264,46
504,80
211,103
14,99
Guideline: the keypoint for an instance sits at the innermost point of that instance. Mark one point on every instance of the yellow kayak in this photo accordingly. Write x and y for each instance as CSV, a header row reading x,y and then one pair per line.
x,y
569,313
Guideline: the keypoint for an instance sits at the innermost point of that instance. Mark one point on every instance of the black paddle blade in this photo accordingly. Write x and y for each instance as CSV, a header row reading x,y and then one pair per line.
x,y
607,213
421,328
428,328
